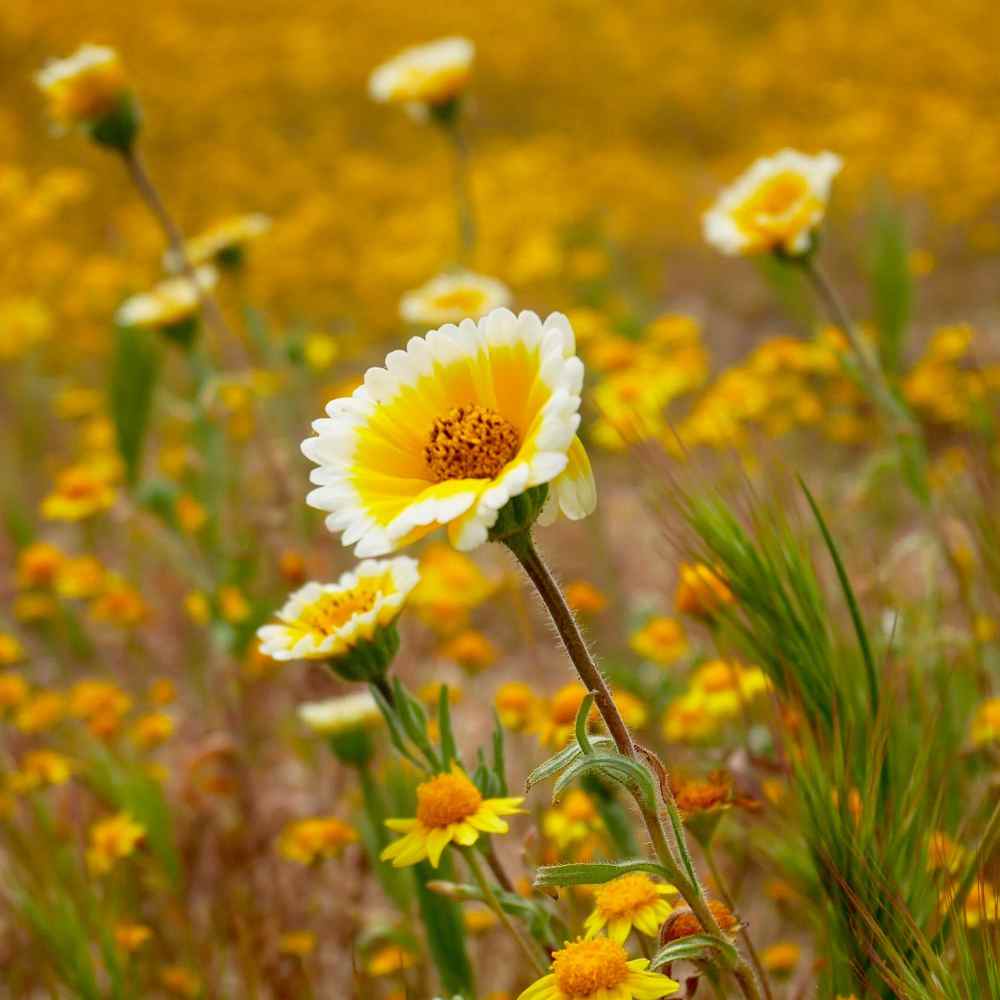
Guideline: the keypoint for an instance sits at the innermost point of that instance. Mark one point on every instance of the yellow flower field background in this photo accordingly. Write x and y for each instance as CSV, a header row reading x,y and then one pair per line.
x,y
742,740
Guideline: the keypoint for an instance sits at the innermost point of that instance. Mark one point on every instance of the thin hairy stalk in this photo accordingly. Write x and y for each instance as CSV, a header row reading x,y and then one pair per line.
x,y
532,953
524,550
871,371
137,171
727,898
463,195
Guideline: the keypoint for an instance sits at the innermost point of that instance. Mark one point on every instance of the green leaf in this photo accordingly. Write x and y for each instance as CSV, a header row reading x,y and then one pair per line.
x,y
442,920
694,946
891,287
396,734
499,757
449,752
630,773
583,713
594,873
560,761
134,368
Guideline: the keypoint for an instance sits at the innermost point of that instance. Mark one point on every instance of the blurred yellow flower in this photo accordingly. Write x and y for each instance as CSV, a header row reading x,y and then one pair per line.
x,y
432,74
775,205
152,729
556,717
111,840
39,768
13,690
309,841
233,605
180,980
81,491
985,725
450,809
516,703
471,650
390,959
452,297
79,577
120,604
701,592
11,650
171,306
41,711
457,424
38,564
661,640
451,585
626,902
781,959
223,243
85,87
584,598
297,943
320,350
131,937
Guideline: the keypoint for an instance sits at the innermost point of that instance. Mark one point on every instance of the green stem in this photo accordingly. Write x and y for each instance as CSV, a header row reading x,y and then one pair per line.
x,y
490,898
463,195
730,902
523,548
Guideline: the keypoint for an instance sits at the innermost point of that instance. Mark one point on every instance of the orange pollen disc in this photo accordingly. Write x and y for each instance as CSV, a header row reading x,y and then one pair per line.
x,y
332,611
625,895
583,968
471,442
447,799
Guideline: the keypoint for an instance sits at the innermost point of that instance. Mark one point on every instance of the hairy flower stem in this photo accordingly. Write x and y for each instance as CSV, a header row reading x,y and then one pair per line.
x,y
137,171
463,194
531,952
523,548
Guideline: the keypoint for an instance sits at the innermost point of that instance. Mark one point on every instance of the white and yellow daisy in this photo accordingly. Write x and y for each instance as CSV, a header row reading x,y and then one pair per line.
x,y
599,969
432,74
450,810
323,621
85,87
774,206
453,296
452,428
171,303
222,243
626,902
336,716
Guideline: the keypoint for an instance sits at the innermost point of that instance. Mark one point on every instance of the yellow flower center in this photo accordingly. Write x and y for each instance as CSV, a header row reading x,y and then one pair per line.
x,y
778,195
583,968
625,895
447,799
332,611
471,442
468,301
418,83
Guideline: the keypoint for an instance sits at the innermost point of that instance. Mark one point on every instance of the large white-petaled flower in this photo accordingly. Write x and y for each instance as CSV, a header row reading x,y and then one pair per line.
x,y
453,296
775,205
452,428
426,74
328,620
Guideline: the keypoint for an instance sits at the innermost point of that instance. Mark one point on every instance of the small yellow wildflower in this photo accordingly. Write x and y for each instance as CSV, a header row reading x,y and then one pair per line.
x,y
450,809
626,902
13,690
11,650
42,710
471,650
131,937
308,841
390,959
180,980
985,725
584,598
152,729
120,604
701,592
80,577
661,640
598,969
81,491
516,703
781,959
111,840
297,943
233,605
38,564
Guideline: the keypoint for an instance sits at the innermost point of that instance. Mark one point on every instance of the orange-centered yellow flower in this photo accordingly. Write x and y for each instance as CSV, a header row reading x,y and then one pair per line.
x,y
426,74
452,428
627,902
111,840
599,969
450,809
84,88
775,205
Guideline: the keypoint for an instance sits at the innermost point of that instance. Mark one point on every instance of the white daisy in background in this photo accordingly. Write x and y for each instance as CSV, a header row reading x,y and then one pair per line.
x,y
323,621
774,206
170,303
336,716
222,243
453,427
85,87
431,74
453,296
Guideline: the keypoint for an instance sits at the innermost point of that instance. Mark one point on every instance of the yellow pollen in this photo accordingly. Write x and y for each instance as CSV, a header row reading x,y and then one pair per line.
x,y
583,968
447,799
625,895
332,611
471,442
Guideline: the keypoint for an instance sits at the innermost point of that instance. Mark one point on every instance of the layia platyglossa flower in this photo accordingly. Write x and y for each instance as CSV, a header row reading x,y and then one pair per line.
x,y
774,206
452,297
454,426
84,87
450,810
431,74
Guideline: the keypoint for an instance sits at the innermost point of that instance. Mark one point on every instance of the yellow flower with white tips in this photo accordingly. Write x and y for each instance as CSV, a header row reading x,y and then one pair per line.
x,y
322,621
450,810
599,969
774,206
453,296
222,243
172,303
425,74
626,902
85,87
346,714
452,428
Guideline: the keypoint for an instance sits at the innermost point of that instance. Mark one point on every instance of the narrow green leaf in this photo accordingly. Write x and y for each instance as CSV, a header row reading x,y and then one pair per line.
x,y
630,773
560,761
594,873
447,736
134,368
396,735
583,713
499,756
891,287
694,946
